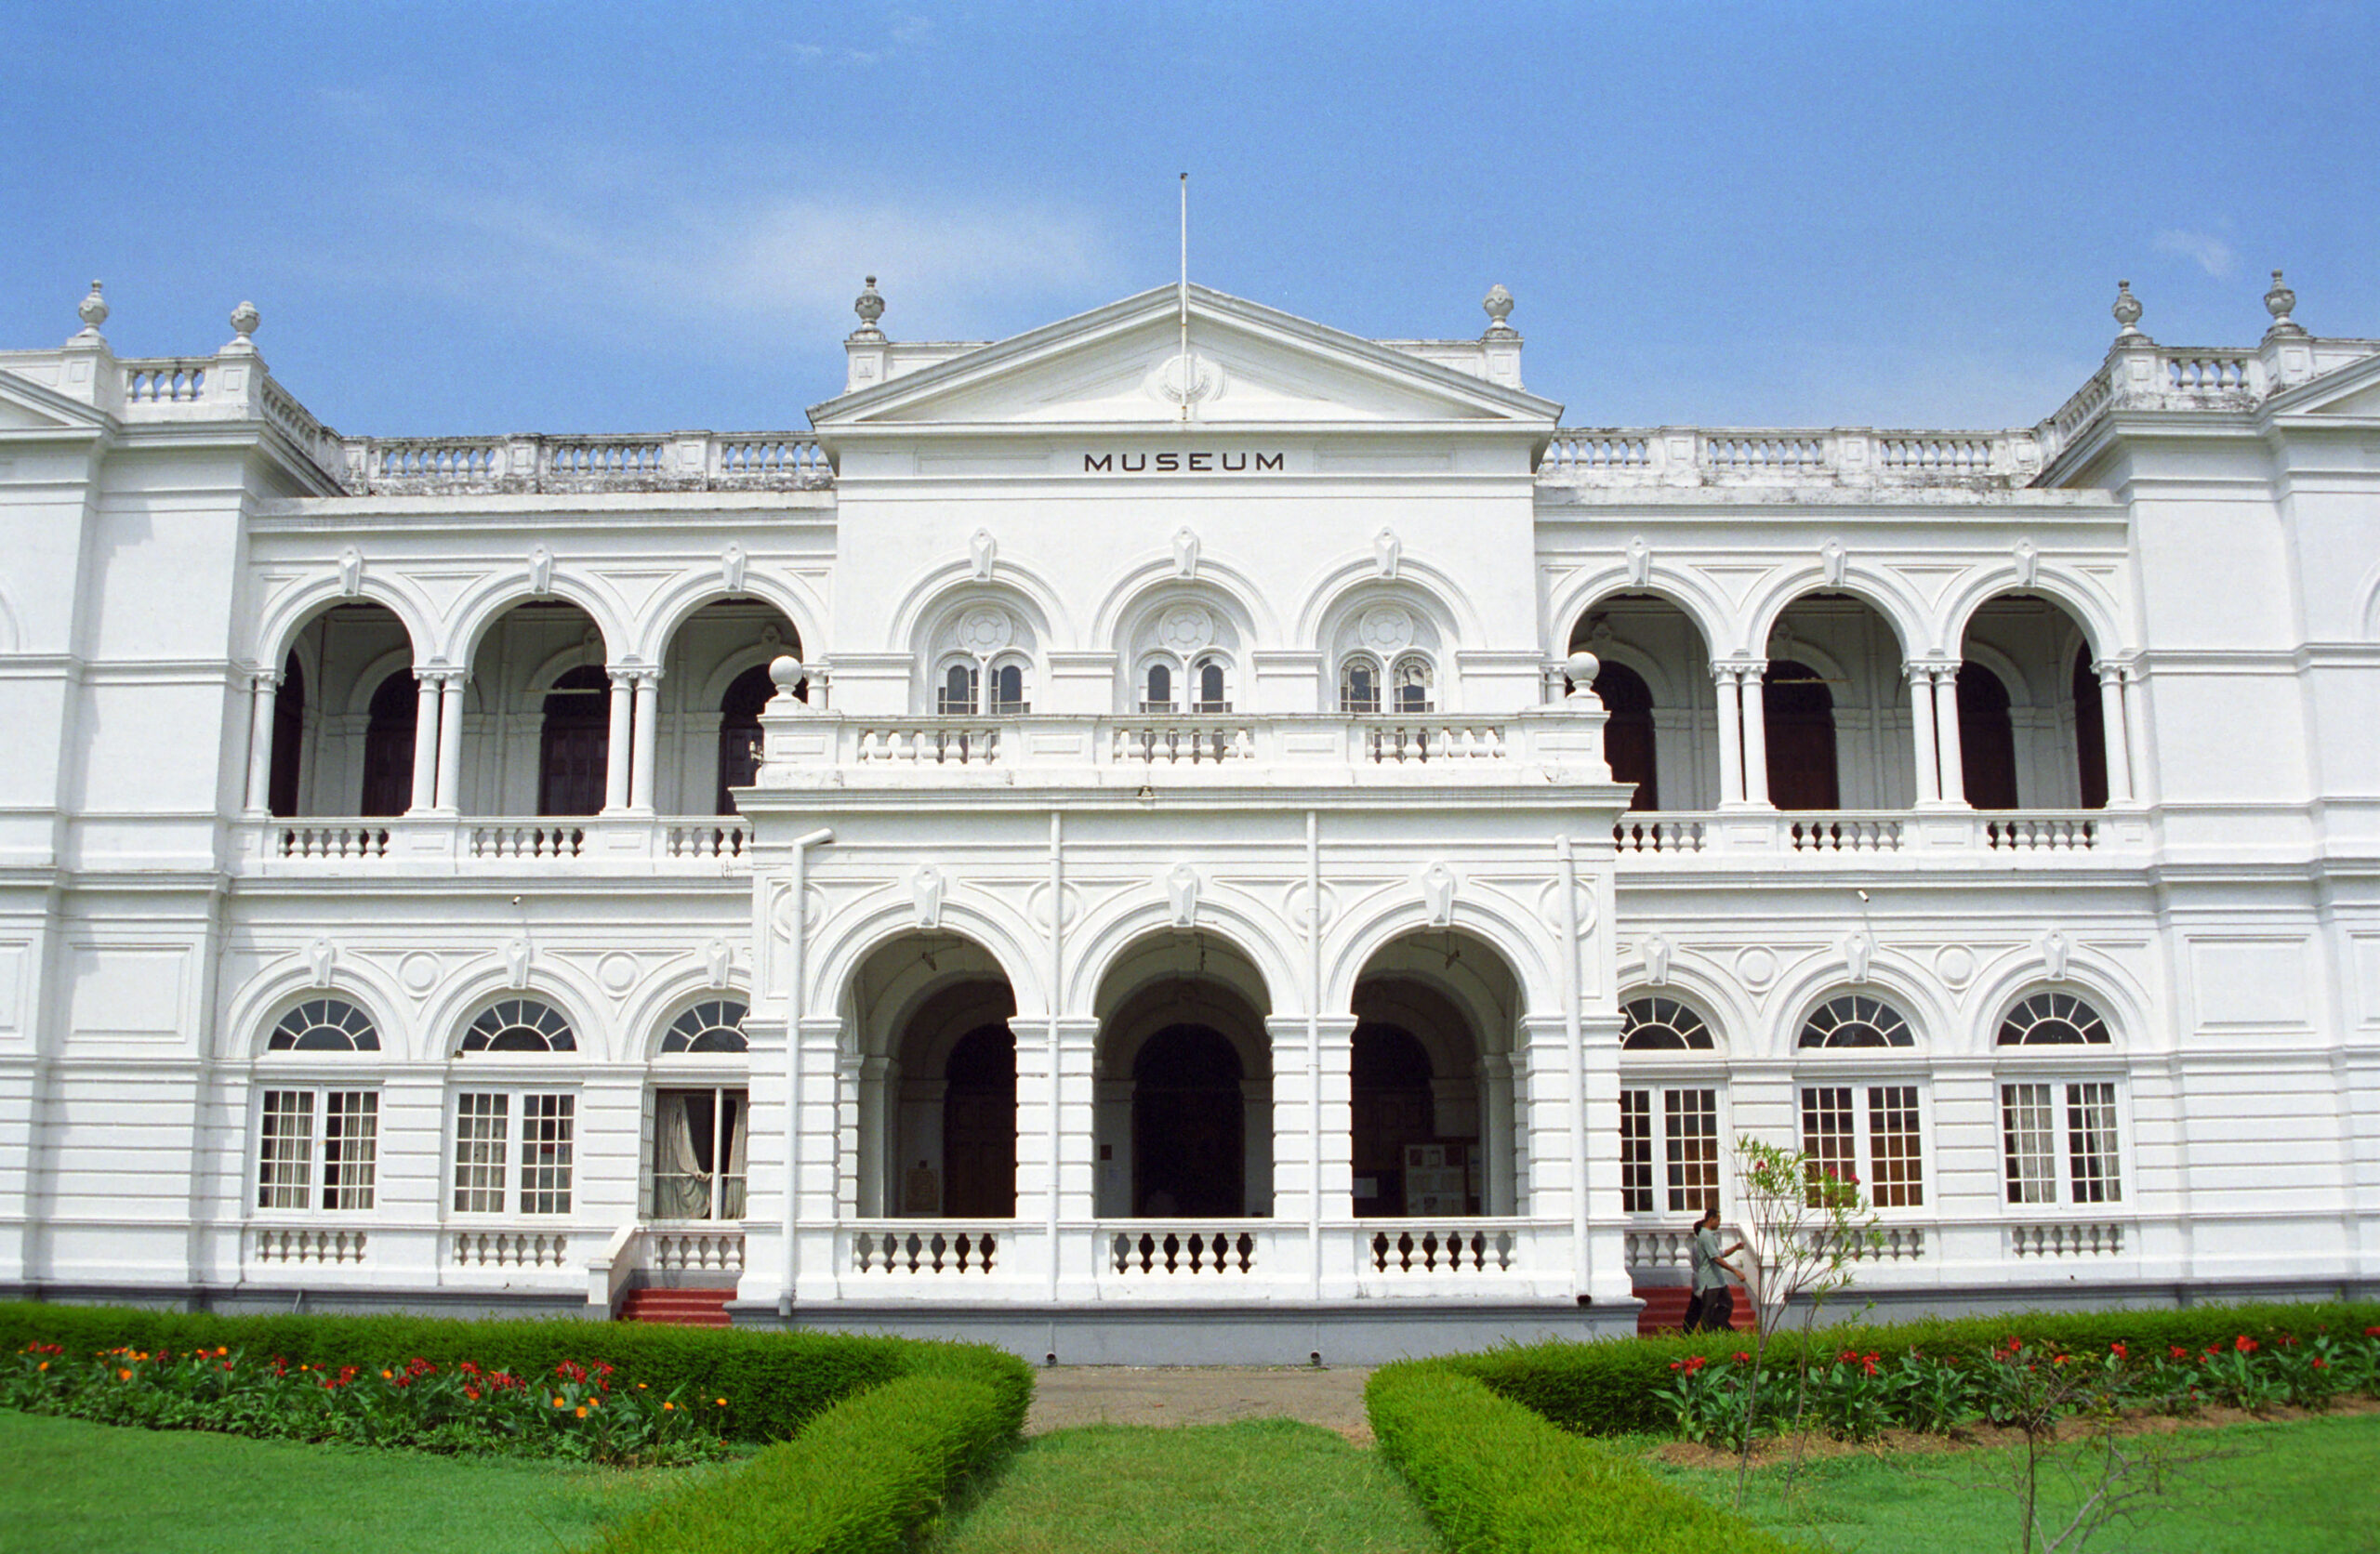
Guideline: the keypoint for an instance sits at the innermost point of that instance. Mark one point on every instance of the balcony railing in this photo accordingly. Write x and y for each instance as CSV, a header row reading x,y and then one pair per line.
x,y
690,461
1760,456
692,845
1653,840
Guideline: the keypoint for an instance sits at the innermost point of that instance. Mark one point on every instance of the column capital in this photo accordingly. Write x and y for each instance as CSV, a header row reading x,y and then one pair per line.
x,y
1931,669
2112,671
646,674
1738,669
264,679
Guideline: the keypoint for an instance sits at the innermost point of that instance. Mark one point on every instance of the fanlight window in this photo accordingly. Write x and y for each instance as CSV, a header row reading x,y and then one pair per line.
x,y
1359,686
1662,1025
2052,1020
1413,681
324,1026
1856,1019
520,1026
713,1025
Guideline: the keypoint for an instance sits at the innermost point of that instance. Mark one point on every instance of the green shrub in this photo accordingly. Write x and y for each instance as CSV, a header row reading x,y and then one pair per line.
x,y
863,1478
1499,1480
1613,1386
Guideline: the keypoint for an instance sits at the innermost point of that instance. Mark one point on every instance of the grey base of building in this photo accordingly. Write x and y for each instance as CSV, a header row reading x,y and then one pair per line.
x,y
248,1301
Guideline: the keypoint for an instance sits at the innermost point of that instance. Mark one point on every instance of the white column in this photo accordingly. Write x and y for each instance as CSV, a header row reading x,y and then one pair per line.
x,y
1755,733
875,1115
1920,722
1075,1133
615,750
2112,715
1549,1085
425,744
851,1109
817,1146
1731,734
1495,1078
1945,730
264,688
450,742
643,743
1333,1091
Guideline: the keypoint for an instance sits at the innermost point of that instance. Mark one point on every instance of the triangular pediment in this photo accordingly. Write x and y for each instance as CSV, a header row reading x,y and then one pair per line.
x,y
27,406
2348,392
1123,365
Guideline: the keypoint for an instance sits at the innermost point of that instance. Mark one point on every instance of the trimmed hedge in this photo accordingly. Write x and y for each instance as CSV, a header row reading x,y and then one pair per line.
x,y
1607,1387
1497,1479
774,1382
862,1479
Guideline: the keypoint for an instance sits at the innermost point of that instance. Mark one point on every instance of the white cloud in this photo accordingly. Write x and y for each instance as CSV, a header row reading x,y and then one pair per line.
x,y
2207,251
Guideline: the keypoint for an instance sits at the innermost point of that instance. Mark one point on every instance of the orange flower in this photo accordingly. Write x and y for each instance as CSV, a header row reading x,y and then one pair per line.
x,y
43,1367
669,1408
123,1376
387,1376
722,1403
558,1403
582,1411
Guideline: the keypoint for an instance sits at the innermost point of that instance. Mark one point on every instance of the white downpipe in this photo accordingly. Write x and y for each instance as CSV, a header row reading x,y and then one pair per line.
x,y
1576,1040
798,975
1313,1045
1056,1056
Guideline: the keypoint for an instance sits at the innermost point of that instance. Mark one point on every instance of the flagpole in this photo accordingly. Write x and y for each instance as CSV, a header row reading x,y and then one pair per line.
x,y
1182,295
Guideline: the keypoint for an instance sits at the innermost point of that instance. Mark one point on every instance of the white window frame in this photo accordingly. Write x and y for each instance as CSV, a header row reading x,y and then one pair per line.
x,y
1393,691
974,670
319,1155
1345,697
1863,1080
2063,1083
1664,1158
718,1086
517,1192
994,704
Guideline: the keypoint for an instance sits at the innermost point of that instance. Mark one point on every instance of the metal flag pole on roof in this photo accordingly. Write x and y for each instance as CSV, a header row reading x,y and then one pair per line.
x,y
1182,297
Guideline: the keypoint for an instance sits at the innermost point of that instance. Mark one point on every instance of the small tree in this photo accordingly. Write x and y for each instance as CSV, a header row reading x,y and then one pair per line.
x,y
1803,1228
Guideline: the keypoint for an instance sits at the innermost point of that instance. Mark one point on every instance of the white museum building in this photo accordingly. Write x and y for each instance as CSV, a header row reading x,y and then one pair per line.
x,y
1184,834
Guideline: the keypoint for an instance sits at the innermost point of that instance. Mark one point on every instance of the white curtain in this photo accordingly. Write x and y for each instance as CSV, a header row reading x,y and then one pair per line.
x,y
731,1193
680,1186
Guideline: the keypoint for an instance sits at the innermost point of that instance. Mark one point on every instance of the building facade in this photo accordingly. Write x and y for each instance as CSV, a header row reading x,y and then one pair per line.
x,y
1184,834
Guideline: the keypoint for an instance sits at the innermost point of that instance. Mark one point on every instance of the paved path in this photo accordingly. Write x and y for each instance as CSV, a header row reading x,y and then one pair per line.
x,y
1064,1395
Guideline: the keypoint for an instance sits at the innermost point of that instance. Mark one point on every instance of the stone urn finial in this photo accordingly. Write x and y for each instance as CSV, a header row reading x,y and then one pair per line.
x,y
1499,306
245,321
93,311
2279,302
869,305
2127,310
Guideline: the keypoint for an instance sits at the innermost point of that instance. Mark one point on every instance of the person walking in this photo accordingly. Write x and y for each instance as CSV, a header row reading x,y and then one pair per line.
x,y
1711,1307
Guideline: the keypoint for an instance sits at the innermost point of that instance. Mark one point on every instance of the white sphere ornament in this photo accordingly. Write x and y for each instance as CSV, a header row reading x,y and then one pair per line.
x,y
1583,667
789,672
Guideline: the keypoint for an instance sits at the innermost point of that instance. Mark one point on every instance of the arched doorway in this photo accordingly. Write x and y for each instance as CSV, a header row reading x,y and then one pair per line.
x,y
2030,725
934,1090
1802,770
1189,1140
739,732
1628,737
1392,1113
288,739
573,743
979,1126
2090,735
1655,682
1987,739
1434,1095
387,746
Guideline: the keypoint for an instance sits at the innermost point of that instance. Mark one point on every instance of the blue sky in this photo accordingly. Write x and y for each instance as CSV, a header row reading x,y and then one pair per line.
x,y
515,218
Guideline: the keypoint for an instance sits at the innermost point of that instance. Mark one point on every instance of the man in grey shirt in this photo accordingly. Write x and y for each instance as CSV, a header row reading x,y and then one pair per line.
x,y
1711,1307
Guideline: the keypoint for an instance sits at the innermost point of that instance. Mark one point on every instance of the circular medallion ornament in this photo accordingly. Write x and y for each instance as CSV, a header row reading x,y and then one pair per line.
x,y
1386,628
418,971
1756,967
1186,628
1187,379
986,630
1955,963
617,971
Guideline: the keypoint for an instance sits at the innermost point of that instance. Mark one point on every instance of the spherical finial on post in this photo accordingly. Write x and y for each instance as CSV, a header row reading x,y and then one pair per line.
x,y
92,311
1581,668
2279,302
869,305
244,321
2126,309
789,672
1499,306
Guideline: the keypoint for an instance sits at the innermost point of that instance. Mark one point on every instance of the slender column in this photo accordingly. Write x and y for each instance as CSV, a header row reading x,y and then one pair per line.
x,y
615,750
425,743
641,745
264,689
1495,1071
1731,734
450,742
2112,715
1920,722
851,1121
875,1123
817,1123
1755,733
1075,1131
1946,729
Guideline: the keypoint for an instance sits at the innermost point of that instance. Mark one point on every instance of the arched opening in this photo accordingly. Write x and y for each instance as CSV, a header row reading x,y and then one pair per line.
x,y
1840,728
1432,1094
1987,739
1189,1146
1655,682
2090,735
739,733
1393,1112
288,739
706,713
979,1125
574,741
935,1094
1802,765
1184,1095
388,746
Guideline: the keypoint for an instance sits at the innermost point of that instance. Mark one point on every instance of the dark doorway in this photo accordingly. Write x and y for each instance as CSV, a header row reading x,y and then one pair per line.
x,y
1189,1124
387,746
979,1127
1628,738
1391,1108
288,739
2090,734
1987,743
1800,712
739,732
576,739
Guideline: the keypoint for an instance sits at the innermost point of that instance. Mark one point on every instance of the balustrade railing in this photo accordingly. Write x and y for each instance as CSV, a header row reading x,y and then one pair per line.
x,y
1399,744
1639,834
2040,834
928,743
331,841
319,1249
1182,743
1170,1253
673,1250
527,840
924,1250
1448,1250
1844,834
727,838
656,461
2065,1239
167,382
1736,457
508,1249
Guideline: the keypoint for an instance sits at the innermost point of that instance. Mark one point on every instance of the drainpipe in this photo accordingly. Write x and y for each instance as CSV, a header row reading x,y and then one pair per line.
x,y
1576,1043
800,973
1313,1045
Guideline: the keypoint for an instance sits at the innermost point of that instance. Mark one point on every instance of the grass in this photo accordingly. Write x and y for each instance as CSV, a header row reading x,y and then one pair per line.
x,y
2305,1487
1259,1486
69,1487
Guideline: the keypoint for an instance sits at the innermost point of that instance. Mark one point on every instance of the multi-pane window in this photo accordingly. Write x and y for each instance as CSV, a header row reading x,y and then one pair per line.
x,y
1657,1024
2030,1125
1212,695
1683,1135
1158,690
1856,1019
1359,685
306,1138
520,1026
490,1175
1412,678
713,1025
954,697
324,1026
2052,1020
698,1137
1007,691
1892,1150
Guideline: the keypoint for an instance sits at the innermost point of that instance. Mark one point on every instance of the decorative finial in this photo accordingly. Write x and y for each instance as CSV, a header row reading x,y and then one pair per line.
x,y
93,310
2279,302
1499,304
245,320
2127,310
869,305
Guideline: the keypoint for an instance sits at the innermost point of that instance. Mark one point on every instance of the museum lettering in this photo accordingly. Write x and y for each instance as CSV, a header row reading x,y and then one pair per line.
x,y
1178,464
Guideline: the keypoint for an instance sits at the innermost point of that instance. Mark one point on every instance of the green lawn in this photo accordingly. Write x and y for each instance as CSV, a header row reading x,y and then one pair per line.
x,y
2307,1487
1261,1486
67,1487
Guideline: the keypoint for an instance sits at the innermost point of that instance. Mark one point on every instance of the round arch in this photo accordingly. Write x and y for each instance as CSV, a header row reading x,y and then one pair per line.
x,y
1493,921
840,949
1723,1010
2096,981
1130,596
295,609
1448,604
667,611
936,594
368,680
661,1000
1111,934
1579,595
492,597
250,1018
444,1020
1902,986
2088,605
1902,611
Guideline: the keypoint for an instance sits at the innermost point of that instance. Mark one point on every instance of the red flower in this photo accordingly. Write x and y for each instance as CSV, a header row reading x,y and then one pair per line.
x,y
2319,1364
2177,1352
1677,1364
2245,1345
1695,1363
2119,1351
1741,1357
2372,1332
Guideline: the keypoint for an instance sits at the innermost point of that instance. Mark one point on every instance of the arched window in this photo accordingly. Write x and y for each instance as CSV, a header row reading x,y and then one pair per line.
x,y
1156,693
957,696
1359,685
1214,694
739,732
324,1026
387,746
1856,1019
1657,1024
288,739
574,743
1628,737
1800,738
1412,677
2052,1020
1008,689
713,1025
1987,739
520,1026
